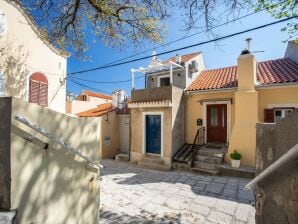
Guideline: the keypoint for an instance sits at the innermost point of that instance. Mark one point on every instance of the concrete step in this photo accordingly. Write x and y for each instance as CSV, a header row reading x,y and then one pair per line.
x,y
205,171
207,166
154,166
211,152
122,157
209,159
152,159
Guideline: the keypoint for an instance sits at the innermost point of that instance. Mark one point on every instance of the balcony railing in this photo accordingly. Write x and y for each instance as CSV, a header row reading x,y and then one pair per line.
x,y
152,94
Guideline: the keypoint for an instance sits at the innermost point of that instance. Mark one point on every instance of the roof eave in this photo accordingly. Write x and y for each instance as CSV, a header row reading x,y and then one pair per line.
x,y
191,92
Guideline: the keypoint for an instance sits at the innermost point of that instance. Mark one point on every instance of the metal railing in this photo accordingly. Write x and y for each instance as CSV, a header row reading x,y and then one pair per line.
x,y
199,140
56,140
284,159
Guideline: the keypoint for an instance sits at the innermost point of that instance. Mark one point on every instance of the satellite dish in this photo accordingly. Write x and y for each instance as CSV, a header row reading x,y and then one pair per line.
x,y
3,24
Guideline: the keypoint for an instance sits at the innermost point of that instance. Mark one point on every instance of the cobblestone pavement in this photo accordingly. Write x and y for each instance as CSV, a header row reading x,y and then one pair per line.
x,y
134,195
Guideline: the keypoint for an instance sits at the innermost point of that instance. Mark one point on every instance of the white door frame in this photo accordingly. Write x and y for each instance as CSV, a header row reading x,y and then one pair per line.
x,y
229,117
161,113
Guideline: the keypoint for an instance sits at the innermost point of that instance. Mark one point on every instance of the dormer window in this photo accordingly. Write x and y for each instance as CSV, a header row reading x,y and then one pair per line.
x,y
164,81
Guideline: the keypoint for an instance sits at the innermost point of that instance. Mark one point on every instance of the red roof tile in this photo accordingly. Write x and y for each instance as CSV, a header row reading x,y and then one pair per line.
x,y
184,58
98,95
269,72
98,111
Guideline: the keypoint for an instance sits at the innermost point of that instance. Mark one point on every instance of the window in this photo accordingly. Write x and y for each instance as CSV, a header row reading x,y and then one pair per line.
x,y
164,81
281,113
276,114
38,89
1,84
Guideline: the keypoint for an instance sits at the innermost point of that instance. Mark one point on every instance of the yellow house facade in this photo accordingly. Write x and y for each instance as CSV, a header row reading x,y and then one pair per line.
x,y
196,124
230,101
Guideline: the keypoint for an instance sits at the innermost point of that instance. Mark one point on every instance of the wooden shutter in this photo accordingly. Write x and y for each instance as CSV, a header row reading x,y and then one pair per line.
x,y
34,91
43,94
269,115
38,92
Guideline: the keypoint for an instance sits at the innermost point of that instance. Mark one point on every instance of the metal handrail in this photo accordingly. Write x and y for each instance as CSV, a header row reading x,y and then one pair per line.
x,y
200,138
291,154
56,140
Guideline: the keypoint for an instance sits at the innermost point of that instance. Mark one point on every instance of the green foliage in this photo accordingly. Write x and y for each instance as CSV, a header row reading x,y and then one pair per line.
x,y
282,9
235,155
119,22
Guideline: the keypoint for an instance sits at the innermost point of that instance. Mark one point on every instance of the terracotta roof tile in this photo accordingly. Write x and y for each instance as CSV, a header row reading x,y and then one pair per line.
x,y
98,95
98,111
269,72
184,58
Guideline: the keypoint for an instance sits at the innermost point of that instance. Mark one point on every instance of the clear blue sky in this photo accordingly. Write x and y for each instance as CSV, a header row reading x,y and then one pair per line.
x,y
216,55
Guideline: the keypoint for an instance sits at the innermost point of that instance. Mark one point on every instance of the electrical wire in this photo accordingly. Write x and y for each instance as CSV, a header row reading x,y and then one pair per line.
x,y
188,36
186,47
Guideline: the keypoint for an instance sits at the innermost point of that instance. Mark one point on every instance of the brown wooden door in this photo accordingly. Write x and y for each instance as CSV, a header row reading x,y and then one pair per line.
x,y
217,123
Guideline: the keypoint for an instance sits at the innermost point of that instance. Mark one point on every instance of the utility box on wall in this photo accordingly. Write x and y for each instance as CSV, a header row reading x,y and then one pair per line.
x,y
199,122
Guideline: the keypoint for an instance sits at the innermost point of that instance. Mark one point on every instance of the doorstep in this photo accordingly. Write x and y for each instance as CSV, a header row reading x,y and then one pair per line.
x,y
225,169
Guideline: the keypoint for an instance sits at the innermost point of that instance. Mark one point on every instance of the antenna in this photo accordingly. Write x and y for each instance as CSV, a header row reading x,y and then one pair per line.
x,y
248,41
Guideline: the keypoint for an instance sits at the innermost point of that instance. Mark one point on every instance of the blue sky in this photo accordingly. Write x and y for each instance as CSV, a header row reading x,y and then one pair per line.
x,y
216,55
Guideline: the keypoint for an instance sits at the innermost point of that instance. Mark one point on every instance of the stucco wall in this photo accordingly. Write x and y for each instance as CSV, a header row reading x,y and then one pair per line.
x,y
52,185
110,142
194,110
277,194
178,119
37,57
277,97
124,123
179,78
137,128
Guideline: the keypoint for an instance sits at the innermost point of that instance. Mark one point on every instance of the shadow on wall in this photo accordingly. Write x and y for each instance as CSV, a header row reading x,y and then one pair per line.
x,y
277,193
49,184
13,67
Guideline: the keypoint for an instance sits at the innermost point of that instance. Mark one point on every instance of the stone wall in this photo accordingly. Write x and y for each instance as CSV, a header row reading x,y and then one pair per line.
x,y
277,194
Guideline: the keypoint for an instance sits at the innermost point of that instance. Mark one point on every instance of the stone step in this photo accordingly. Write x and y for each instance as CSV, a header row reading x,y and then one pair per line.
x,y
207,166
211,152
154,166
152,159
209,159
205,171
122,157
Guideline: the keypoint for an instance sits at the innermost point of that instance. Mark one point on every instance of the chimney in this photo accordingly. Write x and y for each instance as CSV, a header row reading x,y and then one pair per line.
x,y
178,59
292,51
246,70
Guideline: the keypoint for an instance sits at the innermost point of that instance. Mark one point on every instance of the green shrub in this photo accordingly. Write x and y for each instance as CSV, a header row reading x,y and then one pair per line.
x,y
235,155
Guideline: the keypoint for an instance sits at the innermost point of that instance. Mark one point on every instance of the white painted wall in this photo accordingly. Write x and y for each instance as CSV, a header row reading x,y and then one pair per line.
x,y
201,67
124,122
78,106
40,57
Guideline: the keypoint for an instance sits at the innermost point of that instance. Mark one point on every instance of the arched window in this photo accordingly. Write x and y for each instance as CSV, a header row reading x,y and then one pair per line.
x,y
38,89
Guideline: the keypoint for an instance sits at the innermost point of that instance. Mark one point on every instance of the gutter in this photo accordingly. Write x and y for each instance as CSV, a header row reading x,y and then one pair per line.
x,y
277,85
192,92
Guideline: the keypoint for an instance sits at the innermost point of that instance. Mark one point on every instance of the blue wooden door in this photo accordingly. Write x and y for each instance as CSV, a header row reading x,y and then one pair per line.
x,y
153,134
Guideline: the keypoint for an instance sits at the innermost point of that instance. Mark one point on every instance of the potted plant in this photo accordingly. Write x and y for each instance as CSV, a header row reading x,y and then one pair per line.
x,y
235,159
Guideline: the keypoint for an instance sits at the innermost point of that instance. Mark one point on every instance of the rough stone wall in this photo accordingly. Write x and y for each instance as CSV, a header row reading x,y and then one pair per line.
x,y
5,115
277,194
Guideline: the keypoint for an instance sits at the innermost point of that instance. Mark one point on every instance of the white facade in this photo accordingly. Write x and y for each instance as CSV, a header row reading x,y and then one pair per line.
x,y
35,54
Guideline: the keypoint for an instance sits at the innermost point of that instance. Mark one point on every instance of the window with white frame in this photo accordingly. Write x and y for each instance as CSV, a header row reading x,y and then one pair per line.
x,y
164,81
280,113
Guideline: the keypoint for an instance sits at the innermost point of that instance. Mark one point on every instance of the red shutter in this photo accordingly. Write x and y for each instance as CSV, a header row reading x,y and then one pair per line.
x,y
269,115
43,94
34,91
38,91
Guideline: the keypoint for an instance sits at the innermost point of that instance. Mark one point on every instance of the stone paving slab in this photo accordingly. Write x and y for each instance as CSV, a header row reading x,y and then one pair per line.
x,y
130,194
